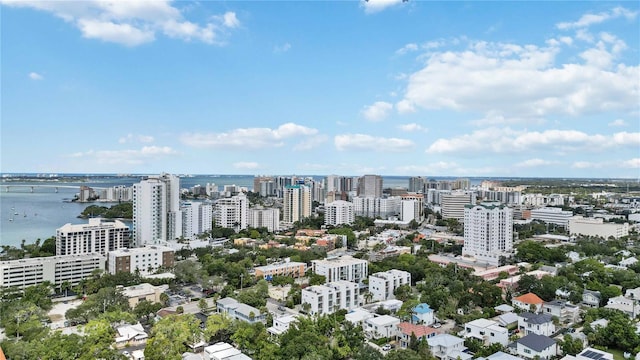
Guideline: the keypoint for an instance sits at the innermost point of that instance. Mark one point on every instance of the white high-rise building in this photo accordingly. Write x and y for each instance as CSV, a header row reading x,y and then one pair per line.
x,y
376,207
330,297
339,212
488,232
98,236
412,207
383,284
268,218
453,204
297,203
156,210
341,268
197,218
232,212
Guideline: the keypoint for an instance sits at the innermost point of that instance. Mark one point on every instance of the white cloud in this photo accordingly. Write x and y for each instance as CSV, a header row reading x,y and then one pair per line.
x,y
378,111
535,163
355,142
246,165
130,156
586,165
632,163
492,119
132,23
488,77
231,20
282,48
311,142
412,127
587,20
506,140
407,48
618,122
248,138
374,6
35,76
139,138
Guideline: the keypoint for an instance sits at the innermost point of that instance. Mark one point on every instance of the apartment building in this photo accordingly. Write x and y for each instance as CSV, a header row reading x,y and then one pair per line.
x,y
453,205
54,269
145,260
412,207
382,285
552,215
579,225
99,236
339,212
297,203
287,268
370,186
156,210
376,207
341,268
488,232
267,218
197,218
232,212
330,297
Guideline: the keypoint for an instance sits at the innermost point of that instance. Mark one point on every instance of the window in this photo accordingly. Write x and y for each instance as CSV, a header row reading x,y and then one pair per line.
x,y
527,351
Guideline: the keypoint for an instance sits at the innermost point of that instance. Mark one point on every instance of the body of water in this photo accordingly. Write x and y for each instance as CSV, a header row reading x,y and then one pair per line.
x,y
36,215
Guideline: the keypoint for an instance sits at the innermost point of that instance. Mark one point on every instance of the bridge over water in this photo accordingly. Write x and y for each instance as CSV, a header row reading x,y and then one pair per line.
x,y
32,188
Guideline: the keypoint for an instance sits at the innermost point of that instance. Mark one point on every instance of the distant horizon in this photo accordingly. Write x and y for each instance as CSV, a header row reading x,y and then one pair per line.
x,y
6,174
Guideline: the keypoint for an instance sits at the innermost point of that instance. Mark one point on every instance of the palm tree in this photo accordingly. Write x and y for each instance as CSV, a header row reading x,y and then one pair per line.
x,y
65,286
367,297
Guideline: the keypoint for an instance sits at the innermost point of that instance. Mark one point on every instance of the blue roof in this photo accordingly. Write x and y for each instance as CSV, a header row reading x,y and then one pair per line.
x,y
422,309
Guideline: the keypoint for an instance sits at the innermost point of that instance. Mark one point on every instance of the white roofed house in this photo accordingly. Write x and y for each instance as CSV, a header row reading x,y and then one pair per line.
x,y
384,326
131,335
281,325
624,304
240,311
487,331
448,347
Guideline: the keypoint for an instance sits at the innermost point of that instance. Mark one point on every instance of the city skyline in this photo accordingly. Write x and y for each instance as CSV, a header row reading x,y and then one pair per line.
x,y
478,89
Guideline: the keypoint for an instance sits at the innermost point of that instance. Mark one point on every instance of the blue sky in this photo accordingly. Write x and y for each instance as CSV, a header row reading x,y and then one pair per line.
x,y
387,87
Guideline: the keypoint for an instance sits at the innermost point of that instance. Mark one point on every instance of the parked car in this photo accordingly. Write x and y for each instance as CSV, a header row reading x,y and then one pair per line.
x,y
386,347
437,325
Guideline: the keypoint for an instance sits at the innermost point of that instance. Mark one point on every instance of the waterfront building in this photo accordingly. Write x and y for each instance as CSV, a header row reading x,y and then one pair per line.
x,y
119,193
98,236
156,210
339,212
54,269
488,232
144,260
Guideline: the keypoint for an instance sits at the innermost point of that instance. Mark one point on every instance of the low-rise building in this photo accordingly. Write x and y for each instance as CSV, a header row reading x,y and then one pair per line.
x,y
287,268
528,302
536,346
144,260
579,225
281,325
144,291
487,331
448,347
566,312
57,270
341,268
223,351
591,298
131,335
541,324
552,215
624,304
358,316
330,297
239,311
422,314
382,285
384,326
405,330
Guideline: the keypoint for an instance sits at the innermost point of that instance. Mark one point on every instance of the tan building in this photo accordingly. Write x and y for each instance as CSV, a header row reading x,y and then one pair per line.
x,y
287,268
144,291
146,260
579,225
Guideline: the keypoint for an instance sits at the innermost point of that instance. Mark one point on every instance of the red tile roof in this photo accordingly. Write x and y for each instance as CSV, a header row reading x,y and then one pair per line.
x,y
529,298
418,330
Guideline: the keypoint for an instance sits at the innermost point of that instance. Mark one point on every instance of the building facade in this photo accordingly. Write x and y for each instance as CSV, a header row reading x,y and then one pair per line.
x,y
297,203
330,297
145,260
579,225
98,236
382,285
376,207
412,207
341,268
54,269
488,232
268,218
232,212
453,204
197,218
156,210
288,268
339,212
552,215
370,186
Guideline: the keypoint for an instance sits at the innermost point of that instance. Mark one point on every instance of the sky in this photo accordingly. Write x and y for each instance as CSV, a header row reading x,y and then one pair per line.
x,y
420,88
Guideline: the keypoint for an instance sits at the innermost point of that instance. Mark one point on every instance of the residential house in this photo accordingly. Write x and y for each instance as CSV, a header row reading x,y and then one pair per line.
x,y
422,314
591,298
382,285
384,326
603,323
144,291
508,320
500,356
240,311
528,302
391,305
281,325
566,312
131,335
541,324
487,331
624,304
448,347
223,351
628,262
590,354
421,332
504,308
358,316
633,293
536,346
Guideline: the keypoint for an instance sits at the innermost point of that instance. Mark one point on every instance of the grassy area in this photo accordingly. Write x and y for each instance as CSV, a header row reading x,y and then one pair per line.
x,y
617,353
